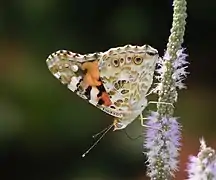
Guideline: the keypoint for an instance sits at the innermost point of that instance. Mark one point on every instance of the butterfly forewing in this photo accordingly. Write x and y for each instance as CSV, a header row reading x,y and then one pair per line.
x,y
81,75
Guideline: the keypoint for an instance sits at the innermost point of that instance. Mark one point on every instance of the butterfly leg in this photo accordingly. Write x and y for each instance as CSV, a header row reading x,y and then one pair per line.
x,y
142,121
150,92
152,102
156,102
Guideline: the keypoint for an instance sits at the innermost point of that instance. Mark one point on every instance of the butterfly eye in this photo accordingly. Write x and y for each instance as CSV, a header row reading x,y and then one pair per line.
x,y
115,62
137,60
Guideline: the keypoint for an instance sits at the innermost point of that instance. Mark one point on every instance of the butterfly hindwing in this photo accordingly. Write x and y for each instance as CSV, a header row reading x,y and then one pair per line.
x,y
127,75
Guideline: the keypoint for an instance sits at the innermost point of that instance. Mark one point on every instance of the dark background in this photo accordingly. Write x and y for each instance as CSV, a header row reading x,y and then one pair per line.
x,y
45,128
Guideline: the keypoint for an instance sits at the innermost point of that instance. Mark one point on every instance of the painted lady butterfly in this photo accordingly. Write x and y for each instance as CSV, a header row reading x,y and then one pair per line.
x,y
115,81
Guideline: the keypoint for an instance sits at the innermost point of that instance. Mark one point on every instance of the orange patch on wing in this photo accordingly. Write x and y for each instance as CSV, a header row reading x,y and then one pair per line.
x,y
92,75
106,99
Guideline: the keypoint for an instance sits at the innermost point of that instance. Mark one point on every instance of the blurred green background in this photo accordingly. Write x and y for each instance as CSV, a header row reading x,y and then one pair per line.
x,y
45,128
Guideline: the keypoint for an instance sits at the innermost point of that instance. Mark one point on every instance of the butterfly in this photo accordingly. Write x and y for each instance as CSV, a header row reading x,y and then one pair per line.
x,y
115,81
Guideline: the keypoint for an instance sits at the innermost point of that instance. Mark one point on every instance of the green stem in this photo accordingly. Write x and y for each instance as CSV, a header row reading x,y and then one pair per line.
x,y
168,91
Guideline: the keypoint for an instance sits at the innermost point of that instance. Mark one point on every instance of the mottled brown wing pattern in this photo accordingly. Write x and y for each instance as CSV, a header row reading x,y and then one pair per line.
x,y
127,75
115,81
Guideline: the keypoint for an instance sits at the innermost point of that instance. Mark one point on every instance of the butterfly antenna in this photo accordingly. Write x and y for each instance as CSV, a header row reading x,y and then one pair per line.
x,y
96,142
96,135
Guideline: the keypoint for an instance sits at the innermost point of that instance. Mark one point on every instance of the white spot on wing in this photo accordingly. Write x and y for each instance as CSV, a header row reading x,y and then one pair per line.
x,y
73,84
74,68
93,96
57,75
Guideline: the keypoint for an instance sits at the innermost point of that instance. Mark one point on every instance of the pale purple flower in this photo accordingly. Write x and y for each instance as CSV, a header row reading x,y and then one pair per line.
x,y
202,167
179,69
162,144
163,130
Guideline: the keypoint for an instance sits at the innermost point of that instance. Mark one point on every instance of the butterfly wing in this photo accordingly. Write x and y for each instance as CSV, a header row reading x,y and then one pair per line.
x,y
127,74
81,75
